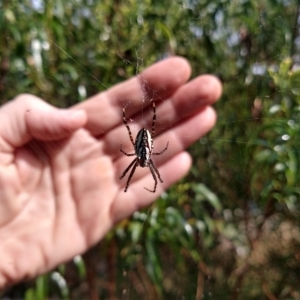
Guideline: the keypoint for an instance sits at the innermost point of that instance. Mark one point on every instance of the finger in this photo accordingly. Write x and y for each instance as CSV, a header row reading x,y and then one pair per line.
x,y
137,197
28,117
182,136
188,100
157,82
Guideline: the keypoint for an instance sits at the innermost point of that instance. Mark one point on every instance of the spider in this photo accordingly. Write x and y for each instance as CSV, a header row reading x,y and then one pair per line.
x,y
143,150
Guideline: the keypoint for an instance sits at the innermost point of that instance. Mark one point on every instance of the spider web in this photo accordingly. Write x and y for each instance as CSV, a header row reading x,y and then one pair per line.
x,y
256,55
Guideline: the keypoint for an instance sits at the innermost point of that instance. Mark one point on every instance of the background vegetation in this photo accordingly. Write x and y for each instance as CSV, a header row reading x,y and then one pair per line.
x,y
230,229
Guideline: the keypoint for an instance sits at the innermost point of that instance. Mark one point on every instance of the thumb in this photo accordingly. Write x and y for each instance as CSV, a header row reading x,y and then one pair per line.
x,y
28,117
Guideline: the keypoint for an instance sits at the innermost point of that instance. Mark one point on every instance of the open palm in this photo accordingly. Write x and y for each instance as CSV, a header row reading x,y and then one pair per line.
x,y
60,191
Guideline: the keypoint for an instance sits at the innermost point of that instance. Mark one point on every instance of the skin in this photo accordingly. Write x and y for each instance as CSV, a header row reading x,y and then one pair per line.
x,y
60,168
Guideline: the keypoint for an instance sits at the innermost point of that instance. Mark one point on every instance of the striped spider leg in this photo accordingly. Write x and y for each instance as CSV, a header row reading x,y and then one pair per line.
x,y
143,150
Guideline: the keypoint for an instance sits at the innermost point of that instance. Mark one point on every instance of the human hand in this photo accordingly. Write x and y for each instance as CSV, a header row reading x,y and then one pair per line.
x,y
60,191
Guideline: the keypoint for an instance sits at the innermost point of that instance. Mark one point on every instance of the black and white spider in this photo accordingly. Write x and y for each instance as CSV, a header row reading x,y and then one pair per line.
x,y
143,150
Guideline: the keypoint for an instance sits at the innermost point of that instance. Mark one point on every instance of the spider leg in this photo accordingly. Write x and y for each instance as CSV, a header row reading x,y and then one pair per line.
x,y
131,173
128,154
127,126
152,168
155,169
128,168
161,152
153,120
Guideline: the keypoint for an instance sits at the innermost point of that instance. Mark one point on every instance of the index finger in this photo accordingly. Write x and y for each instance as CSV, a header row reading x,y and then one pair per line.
x,y
157,82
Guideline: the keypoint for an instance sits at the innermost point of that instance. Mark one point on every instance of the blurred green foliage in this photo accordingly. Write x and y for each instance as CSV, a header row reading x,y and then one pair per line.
x,y
230,229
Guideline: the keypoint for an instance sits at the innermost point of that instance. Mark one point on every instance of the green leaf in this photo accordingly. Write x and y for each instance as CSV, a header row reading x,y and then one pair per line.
x,y
202,190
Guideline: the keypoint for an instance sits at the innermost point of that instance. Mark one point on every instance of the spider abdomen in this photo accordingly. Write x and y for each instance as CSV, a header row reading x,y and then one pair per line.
x,y
143,147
